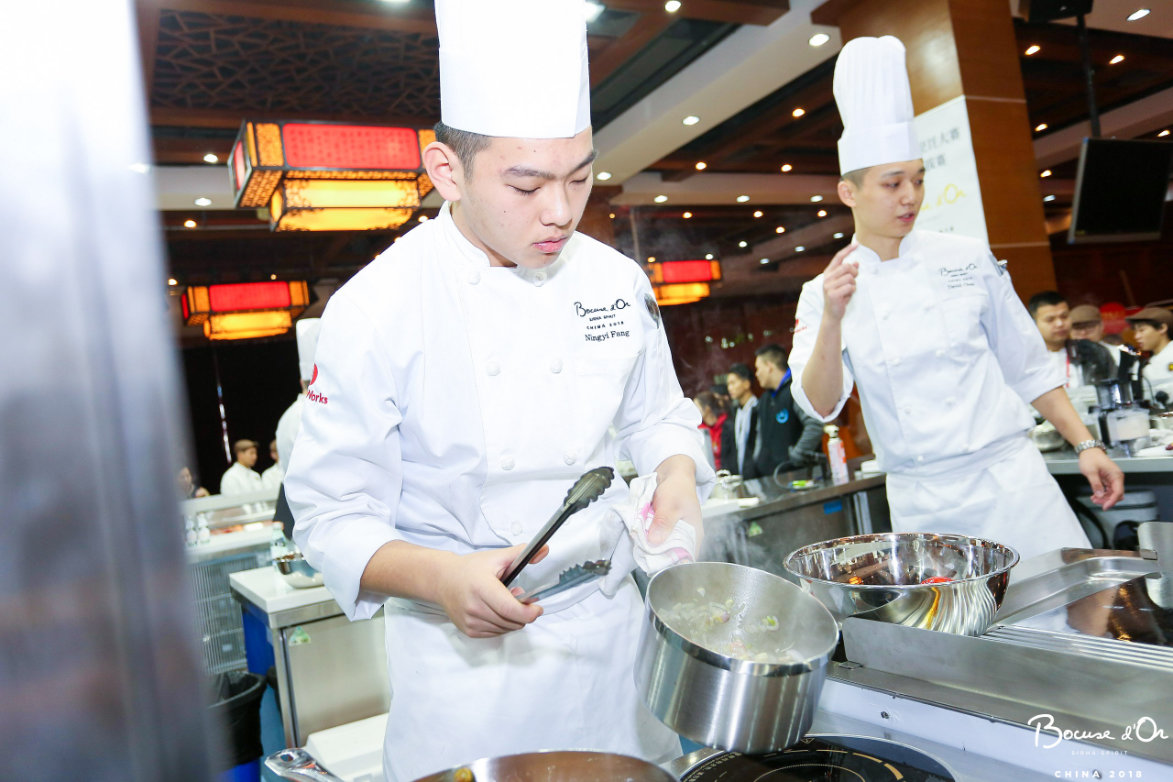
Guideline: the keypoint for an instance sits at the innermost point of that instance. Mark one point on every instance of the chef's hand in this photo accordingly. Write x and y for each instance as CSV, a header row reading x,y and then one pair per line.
x,y
675,499
839,283
476,601
1105,478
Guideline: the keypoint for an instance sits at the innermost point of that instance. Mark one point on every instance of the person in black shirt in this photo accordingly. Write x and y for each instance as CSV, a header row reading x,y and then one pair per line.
x,y
786,437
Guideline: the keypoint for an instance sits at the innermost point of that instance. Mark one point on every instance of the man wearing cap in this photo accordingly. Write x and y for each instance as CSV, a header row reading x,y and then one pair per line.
x,y
241,478
465,379
1087,323
945,356
290,421
1151,327
1079,361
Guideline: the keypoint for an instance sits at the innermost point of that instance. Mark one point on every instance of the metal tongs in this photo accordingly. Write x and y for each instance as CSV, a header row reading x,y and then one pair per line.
x,y
588,488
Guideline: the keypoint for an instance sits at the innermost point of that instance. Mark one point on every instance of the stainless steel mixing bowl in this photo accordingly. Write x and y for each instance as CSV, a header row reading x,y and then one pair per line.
x,y
882,577
733,684
296,572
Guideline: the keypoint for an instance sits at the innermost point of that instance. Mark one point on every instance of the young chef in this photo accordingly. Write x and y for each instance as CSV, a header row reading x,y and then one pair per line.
x,y
944,353
465,379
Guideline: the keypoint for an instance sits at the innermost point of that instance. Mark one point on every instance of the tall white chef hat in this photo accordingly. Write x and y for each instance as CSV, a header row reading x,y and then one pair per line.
x,y
514,68
875,102
307,343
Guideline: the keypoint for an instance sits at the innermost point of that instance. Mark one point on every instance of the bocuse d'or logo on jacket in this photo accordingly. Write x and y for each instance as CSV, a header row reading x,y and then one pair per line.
x,y
312,395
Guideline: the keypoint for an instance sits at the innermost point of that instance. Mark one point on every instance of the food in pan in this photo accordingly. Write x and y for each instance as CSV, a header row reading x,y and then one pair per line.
x,y
727,629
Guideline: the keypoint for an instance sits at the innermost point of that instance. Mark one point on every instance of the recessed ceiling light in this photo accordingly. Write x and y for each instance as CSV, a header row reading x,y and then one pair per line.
x,y
743,243
1040,127
189,223
837,235
691,119
780,229
423,218
799,249
592,10
1032,49
1139,13
765,260
816,198
757,213
672,6
821,213
274,276
201,201
798,112
1117,59
211,158
687,215
612,215
651,259
741,199
701,165
1048,198
708,256
172,281
660,198
1163,133
603,176
787,167
818,39
1045,173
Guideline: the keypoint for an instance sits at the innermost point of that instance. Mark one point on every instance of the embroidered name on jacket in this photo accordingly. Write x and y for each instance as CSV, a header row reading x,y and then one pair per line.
x,y
959,276
604,322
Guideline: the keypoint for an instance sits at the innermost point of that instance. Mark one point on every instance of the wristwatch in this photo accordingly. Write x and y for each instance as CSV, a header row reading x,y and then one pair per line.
x,y
1083,446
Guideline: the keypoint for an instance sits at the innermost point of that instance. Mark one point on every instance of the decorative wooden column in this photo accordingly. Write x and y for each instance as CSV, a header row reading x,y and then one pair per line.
x,y
967,48
596,218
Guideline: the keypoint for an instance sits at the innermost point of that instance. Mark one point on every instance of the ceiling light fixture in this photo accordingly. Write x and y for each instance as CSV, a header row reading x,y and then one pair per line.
x,y
1045,174
780,229
816,198
244,310
1040,127
211,157
678,272
1163,133
837,235
821,213
701,165
1048,198
691,119
765,260
672,6
1117,59
799,249
798,112
743,244
591,11
1032,49
687,215
612,215
818,39
660,198
757,213
201,201
786,167
741,199
708,256
329,176
272,276
189,223
603,176
1139,13
651,259
172,281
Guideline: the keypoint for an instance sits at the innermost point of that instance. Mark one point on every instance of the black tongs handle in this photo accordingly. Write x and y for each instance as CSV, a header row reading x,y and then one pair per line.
x,y
588,488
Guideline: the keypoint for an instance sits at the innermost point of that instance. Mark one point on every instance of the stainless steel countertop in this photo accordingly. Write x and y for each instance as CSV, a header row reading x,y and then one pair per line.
x,y
1065,462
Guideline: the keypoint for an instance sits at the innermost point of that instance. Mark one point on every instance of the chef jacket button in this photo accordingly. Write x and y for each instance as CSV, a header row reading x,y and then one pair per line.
x,y
473,277
516,528
556,366
570,457
540,279
507,463
492,368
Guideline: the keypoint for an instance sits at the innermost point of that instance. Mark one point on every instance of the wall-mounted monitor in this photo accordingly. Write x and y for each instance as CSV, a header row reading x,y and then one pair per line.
x,y
1120,190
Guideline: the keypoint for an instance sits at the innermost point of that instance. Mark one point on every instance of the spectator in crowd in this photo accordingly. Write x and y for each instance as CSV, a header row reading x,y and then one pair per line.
x,y
1152,327
713,422
241,478
272,477
787,437
740,438
1079,361
1087,323
188,487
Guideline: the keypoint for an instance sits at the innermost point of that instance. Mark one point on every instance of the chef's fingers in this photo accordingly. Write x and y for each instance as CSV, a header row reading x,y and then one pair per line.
x,y
538,557
1113,486
838,259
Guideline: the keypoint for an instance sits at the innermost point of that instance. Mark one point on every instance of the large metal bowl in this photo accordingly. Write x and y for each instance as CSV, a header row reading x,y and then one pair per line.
x,y
296,572
882,577
761,697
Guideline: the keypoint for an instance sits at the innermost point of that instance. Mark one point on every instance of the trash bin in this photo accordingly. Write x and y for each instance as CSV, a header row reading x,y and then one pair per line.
x,y
236,707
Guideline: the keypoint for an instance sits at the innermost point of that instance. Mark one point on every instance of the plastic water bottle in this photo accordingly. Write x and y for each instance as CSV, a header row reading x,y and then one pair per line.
x,y
278,545
836,455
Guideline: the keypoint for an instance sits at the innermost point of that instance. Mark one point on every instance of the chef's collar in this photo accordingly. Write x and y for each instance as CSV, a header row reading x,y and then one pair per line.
x,y
866,255
471,255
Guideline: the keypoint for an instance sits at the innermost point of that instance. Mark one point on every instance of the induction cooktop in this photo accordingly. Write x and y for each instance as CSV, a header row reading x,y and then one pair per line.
x,y
823,759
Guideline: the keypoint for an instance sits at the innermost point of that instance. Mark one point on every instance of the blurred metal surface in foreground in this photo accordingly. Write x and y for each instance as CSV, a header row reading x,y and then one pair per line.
x,y
98,669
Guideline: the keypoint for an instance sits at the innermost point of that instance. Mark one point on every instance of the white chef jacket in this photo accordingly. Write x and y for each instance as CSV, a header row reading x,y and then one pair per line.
x,y
947,360
1159,373
239,479
272,477
455,405
287,427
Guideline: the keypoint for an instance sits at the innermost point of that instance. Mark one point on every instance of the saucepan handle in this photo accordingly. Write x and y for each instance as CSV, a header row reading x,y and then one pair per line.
x,y
298,765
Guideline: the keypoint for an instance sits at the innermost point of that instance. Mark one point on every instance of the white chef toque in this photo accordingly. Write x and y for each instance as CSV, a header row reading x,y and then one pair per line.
x,y
514,68
307,343
875,102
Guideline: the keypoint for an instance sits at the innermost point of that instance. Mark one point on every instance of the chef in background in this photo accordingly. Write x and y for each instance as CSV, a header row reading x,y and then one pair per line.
x,y
241,478
928,325
465,379
1152,327
290,421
